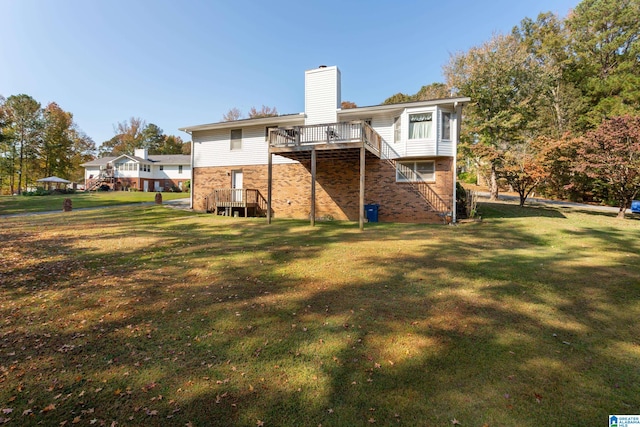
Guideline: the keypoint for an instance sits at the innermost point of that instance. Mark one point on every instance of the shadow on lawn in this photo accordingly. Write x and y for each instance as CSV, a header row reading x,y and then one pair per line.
x,y
232,322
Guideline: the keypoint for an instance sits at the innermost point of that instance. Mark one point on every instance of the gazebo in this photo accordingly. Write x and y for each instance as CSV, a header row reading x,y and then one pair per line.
x,y
54,180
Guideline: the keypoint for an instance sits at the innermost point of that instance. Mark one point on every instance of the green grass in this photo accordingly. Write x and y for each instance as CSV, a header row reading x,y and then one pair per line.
x,y
22,204
151,316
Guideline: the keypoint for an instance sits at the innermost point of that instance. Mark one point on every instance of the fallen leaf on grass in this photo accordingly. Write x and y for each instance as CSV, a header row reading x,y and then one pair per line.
x,y
455,422
49,407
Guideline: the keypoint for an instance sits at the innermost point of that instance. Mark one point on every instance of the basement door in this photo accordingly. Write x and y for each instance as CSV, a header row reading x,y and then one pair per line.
x,y
236,184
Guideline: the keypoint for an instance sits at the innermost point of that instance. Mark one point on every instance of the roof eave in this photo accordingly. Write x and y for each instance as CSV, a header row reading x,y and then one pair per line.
x,y
358,111
246,122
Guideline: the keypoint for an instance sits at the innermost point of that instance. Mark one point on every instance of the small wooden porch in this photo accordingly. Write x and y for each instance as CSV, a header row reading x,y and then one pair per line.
x,y
236,202
312,143
105,176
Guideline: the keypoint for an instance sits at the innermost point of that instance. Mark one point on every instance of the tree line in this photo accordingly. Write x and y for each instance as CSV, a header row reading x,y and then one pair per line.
x,y
36,142
555,104
136,133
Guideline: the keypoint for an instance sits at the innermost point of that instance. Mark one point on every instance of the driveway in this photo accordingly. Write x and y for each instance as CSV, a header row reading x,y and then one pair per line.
x,y
175,204
532,201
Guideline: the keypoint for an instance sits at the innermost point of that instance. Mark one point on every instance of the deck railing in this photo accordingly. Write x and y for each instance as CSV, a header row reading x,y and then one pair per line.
x,y
104,176
236,198
332,133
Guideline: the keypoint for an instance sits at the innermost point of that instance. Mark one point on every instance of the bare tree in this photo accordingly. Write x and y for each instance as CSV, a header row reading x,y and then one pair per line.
x,y
263,112
232,115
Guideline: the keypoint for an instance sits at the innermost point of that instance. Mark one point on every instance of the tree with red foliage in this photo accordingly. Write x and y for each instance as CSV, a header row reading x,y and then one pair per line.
x,y
523,166
611,154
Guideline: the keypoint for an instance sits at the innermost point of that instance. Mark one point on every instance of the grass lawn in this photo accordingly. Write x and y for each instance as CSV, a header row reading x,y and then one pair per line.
x,y
152,316
21,204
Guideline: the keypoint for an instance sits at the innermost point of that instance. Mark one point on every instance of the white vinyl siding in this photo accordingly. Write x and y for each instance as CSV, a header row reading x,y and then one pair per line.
x,y
173,172
212,148
322,95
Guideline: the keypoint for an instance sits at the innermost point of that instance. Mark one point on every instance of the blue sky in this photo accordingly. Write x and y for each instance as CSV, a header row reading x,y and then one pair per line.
x,y
180,63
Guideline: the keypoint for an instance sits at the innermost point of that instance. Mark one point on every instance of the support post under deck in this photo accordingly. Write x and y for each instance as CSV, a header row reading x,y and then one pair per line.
x,y
313,187
269,185
362,169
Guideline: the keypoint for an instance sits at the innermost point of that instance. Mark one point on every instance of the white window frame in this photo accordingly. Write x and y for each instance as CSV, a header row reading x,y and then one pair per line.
x,y
397,129
442,128
235,144
408,171
431,134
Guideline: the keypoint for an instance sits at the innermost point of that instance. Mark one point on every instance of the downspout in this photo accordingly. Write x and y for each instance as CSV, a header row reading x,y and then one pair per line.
x,y
458,109
193,175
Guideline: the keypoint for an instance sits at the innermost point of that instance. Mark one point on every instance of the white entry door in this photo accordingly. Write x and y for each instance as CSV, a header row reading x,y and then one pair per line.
x,y
236,184
146,185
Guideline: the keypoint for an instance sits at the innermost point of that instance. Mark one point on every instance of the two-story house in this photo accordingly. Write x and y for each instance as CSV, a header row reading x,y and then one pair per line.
x,y
142,172
328,162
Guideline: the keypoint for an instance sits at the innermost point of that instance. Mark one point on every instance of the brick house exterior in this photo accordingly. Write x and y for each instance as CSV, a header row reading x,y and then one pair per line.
x,y
329,161
141,172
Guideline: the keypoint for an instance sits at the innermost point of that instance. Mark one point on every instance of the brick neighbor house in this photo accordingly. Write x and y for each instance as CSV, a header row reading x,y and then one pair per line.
x,y
141,171
331,163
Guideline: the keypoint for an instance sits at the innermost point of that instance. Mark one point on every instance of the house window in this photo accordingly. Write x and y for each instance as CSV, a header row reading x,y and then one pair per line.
x,y
161,167
396,129
423,170
236,139
446,126
420,125
179,168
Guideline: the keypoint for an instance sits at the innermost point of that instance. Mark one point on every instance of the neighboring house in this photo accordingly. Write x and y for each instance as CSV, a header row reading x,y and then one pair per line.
x,y
330,163
141,171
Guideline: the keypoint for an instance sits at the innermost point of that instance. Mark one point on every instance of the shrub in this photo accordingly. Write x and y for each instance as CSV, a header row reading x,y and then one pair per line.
x,y
468,177
38,192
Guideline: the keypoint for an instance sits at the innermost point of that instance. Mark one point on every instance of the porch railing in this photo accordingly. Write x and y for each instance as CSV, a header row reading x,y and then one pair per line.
x,y
106,175
332,133
236,198
421,186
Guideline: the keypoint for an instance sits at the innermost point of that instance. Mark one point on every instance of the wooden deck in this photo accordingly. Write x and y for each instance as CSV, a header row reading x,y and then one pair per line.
x,y
343,140
236,201
329,141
